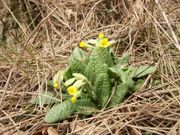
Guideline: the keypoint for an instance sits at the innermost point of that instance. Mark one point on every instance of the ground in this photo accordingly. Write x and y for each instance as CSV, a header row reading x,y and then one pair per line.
x,y
36,42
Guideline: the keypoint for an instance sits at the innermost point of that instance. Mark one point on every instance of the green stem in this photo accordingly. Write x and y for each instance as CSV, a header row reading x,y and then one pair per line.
x,y
92,90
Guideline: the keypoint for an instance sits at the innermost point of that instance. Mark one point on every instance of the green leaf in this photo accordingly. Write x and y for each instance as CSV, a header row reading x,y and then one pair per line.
x,y
85,106
119,95
116,68
90,71
102,55
124,59
77,61
50,83
102,88
113,71
65,96
131,70
93,69
138,85
59,112
76,66
44,98
79,54
125,78
68,74
144,70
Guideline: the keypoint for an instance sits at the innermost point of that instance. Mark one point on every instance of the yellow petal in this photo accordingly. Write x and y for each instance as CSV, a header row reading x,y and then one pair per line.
x,y
56,85
83,44
73,99
101,35
104,42
72,90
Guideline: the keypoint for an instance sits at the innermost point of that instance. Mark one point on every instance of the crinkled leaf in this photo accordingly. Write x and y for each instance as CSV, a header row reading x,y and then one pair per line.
x,y
85,106
125,78
59,112
77,61
102,88
124,59
76,65
44,98
88,91
119,94
114,70
90,71
68,74
101,55
144,70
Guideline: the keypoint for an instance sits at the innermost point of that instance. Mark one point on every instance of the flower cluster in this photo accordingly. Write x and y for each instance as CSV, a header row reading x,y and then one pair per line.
x,y
73,88
102,41
73,91
73,85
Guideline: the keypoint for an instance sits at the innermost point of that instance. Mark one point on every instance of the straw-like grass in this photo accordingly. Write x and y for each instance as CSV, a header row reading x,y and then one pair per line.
x,y
147,30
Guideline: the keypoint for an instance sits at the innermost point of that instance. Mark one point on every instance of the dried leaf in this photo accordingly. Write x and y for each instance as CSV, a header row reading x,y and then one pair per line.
x,y
52,131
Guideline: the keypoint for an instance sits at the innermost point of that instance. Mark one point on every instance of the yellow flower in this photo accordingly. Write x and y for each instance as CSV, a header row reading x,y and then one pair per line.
x,y
56,85
73,99
72,90
83,44
101,35
104,43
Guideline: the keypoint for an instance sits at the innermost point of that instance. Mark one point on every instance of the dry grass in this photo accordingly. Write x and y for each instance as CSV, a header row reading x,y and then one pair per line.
x,y
148,30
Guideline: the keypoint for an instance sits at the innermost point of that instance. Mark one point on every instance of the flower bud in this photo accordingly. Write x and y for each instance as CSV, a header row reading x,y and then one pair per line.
x,y
79,76
112,42
91,41
58,78
101,35
78,83
69,82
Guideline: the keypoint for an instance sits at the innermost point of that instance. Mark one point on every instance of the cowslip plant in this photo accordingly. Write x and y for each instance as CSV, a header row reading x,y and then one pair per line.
x,y
94,79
